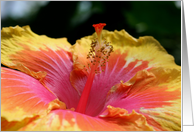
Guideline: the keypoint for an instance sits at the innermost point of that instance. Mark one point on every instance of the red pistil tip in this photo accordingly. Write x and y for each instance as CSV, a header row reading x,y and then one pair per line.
x,y
99,27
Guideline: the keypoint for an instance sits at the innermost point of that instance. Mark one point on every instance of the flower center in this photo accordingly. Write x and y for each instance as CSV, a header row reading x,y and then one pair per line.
x,y
98,56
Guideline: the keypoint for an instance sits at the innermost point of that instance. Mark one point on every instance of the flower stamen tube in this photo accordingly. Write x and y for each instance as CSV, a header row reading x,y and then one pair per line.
x,y
98,56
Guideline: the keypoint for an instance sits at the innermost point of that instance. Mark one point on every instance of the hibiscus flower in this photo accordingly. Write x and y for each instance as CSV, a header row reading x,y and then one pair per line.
x,y
106,81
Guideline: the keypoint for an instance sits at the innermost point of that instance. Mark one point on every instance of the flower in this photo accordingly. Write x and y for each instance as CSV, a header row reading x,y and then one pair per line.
x,y
106,81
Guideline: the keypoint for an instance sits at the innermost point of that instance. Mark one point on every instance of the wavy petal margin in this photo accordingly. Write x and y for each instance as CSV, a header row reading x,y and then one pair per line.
x,y
149,93
15,125
145,48
46,59
130,122
65,120
155,94
14,39
130,56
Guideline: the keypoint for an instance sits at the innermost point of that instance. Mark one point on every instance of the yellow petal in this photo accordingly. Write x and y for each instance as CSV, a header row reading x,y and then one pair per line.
x,y
145,48
15,125
46,59
167,118
22,96
64,120
14,39
130,122
155,94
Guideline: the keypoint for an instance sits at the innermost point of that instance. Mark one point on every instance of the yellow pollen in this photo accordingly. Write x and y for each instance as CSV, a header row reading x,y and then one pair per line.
x,y
99,54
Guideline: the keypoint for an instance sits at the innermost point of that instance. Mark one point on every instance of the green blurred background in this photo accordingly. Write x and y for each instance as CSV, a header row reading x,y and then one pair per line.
x,y
74,20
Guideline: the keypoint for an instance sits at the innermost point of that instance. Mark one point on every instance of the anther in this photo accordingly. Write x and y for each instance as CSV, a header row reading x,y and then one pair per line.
x,y
97,46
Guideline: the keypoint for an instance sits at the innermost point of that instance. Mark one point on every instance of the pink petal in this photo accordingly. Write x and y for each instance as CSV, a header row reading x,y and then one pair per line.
x,y
22,95
115,70
58,65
